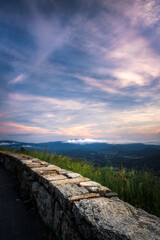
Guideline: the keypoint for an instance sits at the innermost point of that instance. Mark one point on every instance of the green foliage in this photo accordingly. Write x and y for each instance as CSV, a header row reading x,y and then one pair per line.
x,y
139,188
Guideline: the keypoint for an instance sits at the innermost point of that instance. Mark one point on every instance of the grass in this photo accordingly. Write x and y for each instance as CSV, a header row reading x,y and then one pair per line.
x,y
139,188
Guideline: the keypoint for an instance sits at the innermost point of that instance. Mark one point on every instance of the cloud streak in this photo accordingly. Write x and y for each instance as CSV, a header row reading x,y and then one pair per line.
x,y
18,79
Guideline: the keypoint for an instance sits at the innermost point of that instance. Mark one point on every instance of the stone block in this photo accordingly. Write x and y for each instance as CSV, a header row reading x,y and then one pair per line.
x,y
84,196
64,192
71,181
63,171
107,219
89,184
48,168
72,175
99,189
47,173
54,177
34,165
111,194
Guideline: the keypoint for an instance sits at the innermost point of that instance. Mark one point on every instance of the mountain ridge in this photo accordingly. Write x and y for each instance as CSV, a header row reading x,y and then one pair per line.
x,y
130,155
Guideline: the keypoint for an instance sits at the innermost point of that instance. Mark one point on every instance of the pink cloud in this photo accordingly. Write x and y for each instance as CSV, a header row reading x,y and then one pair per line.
x,y
134,63
77,130
139,12
103,85
15,128
143,12
85,131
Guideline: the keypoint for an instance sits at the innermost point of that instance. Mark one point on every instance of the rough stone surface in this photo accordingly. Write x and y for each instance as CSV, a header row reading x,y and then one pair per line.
x,y
46,173
43,169
44,202
58,214
65,192
54,177
84,196
34,165
69,230
114,219
77,208
64,171
89,184
26,180
103,191
110,194
73,180
73,175
26,161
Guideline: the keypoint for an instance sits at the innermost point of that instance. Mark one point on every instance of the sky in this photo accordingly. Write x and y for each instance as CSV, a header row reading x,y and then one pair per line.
x,y
80,69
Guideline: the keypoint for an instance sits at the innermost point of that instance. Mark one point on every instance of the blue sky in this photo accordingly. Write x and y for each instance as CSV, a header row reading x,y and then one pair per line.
x,y
80,69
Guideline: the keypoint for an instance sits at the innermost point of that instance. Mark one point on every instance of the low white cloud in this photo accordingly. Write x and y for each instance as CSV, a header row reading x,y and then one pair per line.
x,y
85,141
26,146
6,143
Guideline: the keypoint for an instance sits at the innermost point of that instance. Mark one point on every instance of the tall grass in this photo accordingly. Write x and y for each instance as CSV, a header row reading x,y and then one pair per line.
x,y
139,188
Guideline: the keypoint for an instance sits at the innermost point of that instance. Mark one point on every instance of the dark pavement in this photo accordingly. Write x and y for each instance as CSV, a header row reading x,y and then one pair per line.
x,y
18,219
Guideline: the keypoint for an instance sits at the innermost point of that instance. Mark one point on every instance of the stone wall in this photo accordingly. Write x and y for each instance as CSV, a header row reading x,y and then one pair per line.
x,y
77,208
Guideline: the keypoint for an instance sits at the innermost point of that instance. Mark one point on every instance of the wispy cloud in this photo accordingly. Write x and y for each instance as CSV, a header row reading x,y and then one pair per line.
x,y
49,34
15,128
102,85
18,79
146,13
138,63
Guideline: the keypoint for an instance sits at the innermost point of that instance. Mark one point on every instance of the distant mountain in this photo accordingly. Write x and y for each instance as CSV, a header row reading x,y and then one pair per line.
x,y
100,153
